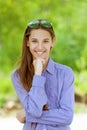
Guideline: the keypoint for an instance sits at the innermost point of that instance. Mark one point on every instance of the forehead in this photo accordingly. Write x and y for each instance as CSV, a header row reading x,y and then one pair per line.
x,y
39,33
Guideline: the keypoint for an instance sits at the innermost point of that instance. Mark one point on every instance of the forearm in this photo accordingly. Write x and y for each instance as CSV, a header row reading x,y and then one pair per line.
x,y
34,100
21,114
37,97
53,117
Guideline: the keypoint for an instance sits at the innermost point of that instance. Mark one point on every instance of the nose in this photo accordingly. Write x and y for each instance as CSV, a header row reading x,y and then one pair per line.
x,y
40,46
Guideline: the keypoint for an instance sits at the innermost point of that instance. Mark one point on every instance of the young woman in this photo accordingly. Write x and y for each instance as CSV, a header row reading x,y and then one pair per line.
x,y
44,87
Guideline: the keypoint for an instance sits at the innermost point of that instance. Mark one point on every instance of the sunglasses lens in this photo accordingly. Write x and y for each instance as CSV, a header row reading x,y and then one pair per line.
x,y
33,24
44,23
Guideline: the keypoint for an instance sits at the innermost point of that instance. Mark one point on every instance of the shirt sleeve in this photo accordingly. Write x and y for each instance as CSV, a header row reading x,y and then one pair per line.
x,y
34,100
63,114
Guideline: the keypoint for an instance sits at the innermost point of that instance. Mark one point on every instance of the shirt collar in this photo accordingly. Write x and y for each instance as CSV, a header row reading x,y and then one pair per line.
x,y
50,66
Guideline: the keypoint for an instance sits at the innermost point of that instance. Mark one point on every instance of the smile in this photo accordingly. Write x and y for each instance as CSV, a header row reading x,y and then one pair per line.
x,y
39,53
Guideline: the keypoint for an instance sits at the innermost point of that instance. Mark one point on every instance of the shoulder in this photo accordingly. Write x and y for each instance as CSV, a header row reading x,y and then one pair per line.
x,y
62,68
15,75
64,72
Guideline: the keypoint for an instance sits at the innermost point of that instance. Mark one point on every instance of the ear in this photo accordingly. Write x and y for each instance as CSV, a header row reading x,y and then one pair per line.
x,y
53,42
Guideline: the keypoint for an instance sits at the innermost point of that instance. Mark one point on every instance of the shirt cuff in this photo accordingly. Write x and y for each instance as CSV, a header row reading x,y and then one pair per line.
x,y
38,80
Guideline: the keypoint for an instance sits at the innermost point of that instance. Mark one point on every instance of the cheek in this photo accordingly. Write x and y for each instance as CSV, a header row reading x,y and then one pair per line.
x,y
31,51
31,47
49,48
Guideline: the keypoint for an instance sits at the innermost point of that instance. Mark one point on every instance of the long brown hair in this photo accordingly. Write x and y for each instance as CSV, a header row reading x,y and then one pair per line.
x,y
26,69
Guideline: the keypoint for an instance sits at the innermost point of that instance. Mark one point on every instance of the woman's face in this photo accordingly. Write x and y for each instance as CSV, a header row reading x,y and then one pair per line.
x,y
40,43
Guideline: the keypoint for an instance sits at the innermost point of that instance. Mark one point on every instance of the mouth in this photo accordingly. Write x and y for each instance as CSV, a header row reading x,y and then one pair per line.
x,y
40,53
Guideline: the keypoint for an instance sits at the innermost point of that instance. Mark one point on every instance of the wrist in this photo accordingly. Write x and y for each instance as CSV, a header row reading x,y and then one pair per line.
x,y
38,72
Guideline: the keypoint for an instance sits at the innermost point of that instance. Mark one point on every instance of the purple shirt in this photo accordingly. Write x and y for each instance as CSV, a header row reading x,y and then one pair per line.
x,y
54,87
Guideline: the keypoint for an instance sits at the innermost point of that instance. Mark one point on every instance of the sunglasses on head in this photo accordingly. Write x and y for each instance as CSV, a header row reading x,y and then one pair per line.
x,y
37,23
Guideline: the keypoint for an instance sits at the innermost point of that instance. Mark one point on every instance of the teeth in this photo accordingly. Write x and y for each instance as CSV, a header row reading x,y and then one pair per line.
x,y
39,53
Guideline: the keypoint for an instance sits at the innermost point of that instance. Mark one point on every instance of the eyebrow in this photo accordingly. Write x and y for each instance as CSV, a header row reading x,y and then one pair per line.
x,y
34,38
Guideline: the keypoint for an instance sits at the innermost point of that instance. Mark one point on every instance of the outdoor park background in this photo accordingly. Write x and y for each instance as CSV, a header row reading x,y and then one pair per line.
x,y
69,18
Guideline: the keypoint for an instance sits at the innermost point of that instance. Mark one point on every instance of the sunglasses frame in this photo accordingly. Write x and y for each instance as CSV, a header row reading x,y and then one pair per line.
x,y
37,23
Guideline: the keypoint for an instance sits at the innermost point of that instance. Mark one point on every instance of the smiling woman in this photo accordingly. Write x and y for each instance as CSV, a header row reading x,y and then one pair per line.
x,y
44,87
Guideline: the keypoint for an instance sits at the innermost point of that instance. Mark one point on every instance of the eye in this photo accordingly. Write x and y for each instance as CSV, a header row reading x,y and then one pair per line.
x,y
34,41
46,41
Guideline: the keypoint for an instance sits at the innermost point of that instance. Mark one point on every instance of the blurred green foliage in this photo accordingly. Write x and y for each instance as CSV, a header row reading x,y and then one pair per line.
x,y
69,21
69,18
6,88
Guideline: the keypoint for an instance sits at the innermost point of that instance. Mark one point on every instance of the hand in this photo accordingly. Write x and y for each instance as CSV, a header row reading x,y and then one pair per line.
x,y
38,65
21,116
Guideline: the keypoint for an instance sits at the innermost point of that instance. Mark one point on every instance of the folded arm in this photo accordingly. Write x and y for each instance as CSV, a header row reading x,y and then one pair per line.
x,y
34,100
